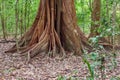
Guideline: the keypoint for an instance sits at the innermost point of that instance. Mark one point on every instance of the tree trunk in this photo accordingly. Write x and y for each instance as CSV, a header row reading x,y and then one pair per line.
x,y
2,8
54,30
95,16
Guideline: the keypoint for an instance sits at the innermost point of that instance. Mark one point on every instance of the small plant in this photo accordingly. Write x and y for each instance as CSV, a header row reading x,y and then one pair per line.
x,y
115,78
91,70
61,77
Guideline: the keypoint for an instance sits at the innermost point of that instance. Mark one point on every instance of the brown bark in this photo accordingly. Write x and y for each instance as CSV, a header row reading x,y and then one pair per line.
x,y
95,16
54,30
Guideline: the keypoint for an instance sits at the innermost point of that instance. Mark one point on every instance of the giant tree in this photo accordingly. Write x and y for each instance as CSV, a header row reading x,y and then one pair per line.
x,y
54,30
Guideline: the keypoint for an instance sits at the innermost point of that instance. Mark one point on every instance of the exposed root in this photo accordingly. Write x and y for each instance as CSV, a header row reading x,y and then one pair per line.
x,y
54,31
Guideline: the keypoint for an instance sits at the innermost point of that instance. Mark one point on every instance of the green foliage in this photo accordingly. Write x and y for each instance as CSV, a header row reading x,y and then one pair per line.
x,y
115,78
108,25
89,68
83,14
94,40
61,78
27,10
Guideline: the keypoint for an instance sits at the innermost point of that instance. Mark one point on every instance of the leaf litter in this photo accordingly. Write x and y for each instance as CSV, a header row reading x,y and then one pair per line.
x,y
14,67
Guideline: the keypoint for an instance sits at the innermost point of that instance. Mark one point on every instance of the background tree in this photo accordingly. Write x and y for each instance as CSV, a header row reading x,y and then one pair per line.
x,y
3,19
95,16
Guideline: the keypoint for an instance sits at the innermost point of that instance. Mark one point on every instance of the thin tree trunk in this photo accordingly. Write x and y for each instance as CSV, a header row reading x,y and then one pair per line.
x,y
16,18
3,19
17,25
25,15
95,16
21,20
113,18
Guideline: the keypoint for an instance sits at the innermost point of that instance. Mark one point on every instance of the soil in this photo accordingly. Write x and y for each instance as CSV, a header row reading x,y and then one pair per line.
x,y
13,66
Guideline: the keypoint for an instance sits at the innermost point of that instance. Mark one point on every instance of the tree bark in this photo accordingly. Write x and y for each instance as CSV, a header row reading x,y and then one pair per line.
x,y
95,16
54,30
3,20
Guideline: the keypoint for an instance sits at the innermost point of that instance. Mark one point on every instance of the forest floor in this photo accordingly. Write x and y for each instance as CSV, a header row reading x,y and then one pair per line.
x,y
14,67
